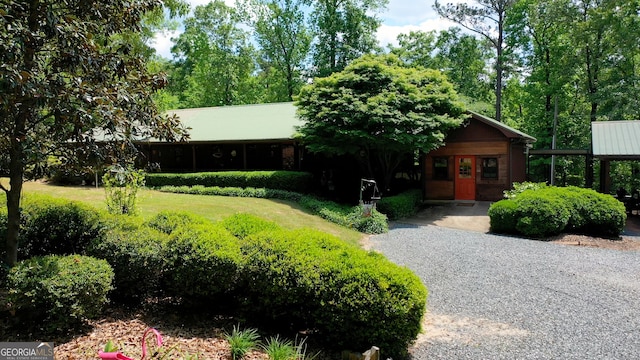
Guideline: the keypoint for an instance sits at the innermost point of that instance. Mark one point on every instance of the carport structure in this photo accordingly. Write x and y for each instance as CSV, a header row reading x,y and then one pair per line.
x,y
610,141
614,141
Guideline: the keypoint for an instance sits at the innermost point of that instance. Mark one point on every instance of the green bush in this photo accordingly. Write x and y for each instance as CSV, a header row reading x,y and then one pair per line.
x,y
594,213
204,261
547,210
59,292
52,226
262,193
169,221
374,223
351,297
519,188
503,216
137,255
281,180
541,214
402,205
242,225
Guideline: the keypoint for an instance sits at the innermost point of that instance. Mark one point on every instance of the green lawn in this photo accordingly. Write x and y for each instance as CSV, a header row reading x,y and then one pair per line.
x,y
289,215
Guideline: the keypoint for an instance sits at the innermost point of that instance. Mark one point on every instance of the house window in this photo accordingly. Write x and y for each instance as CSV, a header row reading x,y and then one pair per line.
x,y
490,168
440,168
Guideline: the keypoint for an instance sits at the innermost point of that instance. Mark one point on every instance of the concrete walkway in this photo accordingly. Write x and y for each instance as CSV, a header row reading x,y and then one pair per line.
x,y
472,216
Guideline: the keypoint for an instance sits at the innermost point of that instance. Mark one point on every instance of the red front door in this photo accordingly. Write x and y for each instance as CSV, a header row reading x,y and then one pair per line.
x,y
465,178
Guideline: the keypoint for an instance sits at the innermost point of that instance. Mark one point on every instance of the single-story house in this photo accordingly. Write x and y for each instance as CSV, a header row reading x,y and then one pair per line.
x,y
480,160
244,137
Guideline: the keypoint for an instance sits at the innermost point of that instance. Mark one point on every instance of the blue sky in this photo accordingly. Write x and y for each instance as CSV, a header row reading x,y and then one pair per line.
x,y
401,16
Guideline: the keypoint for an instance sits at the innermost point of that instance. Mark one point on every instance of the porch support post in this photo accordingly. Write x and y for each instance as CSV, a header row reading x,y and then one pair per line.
x,y
605,176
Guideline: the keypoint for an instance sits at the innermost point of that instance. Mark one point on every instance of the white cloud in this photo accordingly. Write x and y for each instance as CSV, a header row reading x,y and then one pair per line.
x,y
388,34
162,43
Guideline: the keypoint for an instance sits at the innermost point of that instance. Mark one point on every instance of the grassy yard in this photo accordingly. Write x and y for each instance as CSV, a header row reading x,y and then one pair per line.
x,y
150,202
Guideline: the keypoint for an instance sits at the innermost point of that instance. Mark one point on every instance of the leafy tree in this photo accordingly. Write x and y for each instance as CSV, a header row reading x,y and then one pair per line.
x,y
464,58
343,31
216,58
68,77
284,39
487,19
461,57
417,48
380,111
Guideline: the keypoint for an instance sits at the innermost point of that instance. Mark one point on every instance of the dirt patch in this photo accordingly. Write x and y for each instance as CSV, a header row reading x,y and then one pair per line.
x,y
448,328
624,243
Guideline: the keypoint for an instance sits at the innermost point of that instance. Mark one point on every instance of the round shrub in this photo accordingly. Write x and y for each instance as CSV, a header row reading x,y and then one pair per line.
x,y
351,297
503,216
540,213
374,223
168,221
59,292
402,205
137,256
204,261
242,225
594,213
53,226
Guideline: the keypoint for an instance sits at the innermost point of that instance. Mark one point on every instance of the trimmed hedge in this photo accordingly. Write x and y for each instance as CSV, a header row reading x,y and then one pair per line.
x,y
203,262
281,180
351,297
541,213
242,225
402,205
53,226
168,221
544,211
261,193
58,292
137,255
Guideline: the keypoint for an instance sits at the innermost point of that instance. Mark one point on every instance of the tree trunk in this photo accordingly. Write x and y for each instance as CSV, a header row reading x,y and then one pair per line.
x,y
499,67
16,175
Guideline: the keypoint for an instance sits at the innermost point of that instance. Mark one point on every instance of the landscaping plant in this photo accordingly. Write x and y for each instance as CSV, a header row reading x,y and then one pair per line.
x,y
242,341
121,184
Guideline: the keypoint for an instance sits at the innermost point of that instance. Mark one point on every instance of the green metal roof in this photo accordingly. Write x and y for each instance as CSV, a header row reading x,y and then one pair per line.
x,y
276,121
616,139
240,123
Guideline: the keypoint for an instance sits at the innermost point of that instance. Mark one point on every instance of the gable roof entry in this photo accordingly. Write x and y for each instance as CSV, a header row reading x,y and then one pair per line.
x,y
274,121
508,131
616,139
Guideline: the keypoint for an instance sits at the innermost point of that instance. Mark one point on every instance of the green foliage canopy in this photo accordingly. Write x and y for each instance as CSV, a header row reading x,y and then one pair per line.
x,y
378,108
67,75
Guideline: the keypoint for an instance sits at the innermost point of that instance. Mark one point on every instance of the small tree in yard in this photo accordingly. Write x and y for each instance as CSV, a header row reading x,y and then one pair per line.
x,y
121,184
69,79
380,111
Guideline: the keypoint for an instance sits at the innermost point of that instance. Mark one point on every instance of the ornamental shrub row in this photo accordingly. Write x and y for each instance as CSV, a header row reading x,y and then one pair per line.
x,y
279,180
540,211
243,265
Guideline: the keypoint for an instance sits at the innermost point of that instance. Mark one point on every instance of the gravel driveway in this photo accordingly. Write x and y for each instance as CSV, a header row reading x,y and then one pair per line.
x,y
497,297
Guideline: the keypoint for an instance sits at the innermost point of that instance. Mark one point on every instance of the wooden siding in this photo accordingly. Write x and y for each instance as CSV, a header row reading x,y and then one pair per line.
x,y
439,190
486,189
472,148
